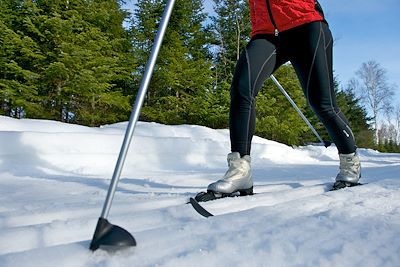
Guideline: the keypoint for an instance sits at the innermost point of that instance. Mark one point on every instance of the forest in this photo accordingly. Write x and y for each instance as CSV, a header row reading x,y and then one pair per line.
x,y
81,61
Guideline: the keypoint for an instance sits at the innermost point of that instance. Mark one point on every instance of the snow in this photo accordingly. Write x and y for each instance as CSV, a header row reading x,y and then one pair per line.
x,y
54,178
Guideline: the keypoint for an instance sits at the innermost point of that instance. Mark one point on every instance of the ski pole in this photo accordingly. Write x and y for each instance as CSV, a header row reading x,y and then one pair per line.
x,y
107,234
326,144
138,104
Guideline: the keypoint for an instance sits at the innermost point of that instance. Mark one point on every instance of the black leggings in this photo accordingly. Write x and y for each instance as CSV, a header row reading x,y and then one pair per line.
x,y
309,49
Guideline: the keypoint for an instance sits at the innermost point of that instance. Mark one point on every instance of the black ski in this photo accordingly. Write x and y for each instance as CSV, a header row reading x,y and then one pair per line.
x,y
202,211
209,196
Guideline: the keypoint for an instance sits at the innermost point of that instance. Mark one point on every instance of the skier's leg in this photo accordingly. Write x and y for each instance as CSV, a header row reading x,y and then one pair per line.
x,y
255,65
312,60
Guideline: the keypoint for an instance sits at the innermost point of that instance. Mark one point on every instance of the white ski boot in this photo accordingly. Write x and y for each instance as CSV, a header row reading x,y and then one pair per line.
x,y
349,171
237,178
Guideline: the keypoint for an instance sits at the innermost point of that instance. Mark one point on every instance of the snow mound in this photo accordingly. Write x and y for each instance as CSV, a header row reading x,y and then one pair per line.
x,y
54,178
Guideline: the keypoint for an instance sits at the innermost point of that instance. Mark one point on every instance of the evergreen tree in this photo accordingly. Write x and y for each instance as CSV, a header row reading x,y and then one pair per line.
x,y
78,62
20,58
231,27
92,50
182,77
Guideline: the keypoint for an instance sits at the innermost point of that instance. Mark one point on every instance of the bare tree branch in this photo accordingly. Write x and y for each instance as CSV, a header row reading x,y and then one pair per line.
x,y
374,90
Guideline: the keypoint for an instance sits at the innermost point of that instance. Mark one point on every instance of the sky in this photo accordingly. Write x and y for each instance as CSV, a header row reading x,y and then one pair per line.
x,y
363,30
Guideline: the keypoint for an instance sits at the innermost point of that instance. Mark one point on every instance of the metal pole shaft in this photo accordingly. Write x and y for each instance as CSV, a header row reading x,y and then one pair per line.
x,y
296,108
138,105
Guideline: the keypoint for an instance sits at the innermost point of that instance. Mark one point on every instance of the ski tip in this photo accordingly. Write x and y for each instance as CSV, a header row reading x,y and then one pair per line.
x,y
202,211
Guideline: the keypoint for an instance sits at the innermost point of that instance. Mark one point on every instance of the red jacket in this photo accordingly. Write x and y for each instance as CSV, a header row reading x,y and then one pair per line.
x,y
273,16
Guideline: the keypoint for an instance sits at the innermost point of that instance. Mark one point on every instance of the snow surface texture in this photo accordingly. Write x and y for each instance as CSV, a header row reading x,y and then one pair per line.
x,y
54,178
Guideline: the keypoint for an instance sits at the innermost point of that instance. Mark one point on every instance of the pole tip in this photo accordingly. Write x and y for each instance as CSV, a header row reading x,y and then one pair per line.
x,y
111,237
